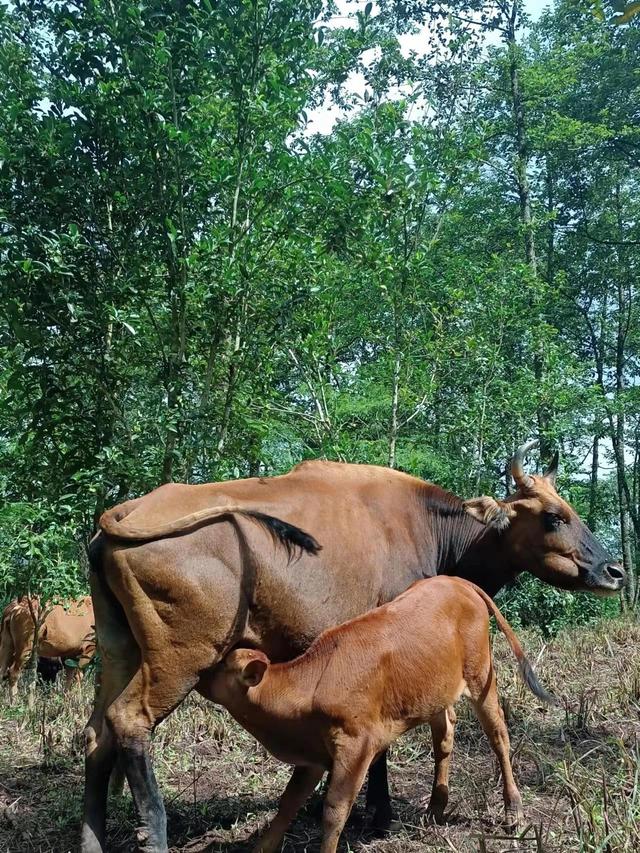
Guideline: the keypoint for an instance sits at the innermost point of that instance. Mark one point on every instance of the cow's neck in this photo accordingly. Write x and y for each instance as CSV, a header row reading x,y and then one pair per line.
x,y
469,549
486,562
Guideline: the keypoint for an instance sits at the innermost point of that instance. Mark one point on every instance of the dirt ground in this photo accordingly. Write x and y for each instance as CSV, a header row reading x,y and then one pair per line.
x,y
577,767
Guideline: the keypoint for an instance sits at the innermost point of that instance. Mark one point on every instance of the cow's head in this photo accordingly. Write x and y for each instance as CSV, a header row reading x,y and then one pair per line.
x,y
544,535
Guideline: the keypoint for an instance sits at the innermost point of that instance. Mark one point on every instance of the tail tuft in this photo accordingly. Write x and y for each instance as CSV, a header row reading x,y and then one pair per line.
x,y
94,553
293,538
531,680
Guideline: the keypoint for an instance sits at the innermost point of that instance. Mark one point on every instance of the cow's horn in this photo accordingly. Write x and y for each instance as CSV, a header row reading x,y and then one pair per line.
x,y
523,480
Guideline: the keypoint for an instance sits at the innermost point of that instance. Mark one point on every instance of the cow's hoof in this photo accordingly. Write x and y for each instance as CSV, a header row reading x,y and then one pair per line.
x,y
385,821
315,807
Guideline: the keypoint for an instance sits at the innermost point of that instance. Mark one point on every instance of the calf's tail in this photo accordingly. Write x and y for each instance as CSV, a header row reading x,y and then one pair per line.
x,y
526,670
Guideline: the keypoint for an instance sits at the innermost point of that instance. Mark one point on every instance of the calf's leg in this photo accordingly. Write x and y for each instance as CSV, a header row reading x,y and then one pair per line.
x,y
303,781
350,766
487,707
442,732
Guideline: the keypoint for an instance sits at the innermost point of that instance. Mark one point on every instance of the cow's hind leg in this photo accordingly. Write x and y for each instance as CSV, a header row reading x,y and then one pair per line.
x,y
155,690
484,697
100,757
101,746
120,661
442,731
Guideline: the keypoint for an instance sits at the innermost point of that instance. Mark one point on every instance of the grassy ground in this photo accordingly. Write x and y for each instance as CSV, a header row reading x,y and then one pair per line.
x,y
578,767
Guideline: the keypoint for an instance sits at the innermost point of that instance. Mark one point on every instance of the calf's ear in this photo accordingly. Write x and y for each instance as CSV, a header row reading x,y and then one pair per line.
x,y
489,511
253,672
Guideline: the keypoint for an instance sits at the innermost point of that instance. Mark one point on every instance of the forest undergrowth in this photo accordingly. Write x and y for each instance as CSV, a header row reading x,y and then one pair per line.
x,y
577,767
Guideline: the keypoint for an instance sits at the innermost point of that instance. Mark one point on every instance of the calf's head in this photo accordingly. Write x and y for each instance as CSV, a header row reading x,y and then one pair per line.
x,y
542,534
240,670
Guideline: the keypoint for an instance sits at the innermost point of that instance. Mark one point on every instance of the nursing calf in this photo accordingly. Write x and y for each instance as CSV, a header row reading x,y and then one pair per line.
x,y
363,684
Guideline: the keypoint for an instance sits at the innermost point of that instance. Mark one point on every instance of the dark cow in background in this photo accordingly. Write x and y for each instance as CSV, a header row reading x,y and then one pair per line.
x,y
186,573
48,669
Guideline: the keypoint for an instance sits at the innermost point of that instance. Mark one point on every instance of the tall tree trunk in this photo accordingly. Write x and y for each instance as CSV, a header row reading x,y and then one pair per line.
x,y
620,432
177,285
174,371
521,163
521,167
592,517
393,420
551,225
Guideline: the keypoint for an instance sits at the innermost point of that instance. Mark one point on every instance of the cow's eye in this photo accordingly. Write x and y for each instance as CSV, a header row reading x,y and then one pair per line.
x,y
553,521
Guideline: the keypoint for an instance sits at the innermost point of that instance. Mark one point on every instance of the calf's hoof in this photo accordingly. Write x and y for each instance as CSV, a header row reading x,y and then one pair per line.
x,y
437,804
513,817
435,815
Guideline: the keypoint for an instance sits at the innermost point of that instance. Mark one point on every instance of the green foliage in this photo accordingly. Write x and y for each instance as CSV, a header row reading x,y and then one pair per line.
x,y
196,286
39,555
529,604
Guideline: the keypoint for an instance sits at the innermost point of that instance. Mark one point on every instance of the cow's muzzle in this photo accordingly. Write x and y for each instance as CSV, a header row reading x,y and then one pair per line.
x,y
609,577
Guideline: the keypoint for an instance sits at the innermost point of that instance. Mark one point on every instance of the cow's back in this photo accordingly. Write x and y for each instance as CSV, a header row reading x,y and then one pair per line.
x,y
369,521
66,628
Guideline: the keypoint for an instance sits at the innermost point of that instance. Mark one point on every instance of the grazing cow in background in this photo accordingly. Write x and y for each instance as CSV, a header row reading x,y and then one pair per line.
x,y
188,572
64,632
363,684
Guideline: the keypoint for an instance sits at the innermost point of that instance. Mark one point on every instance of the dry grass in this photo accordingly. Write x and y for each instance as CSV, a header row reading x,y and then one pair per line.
x,y
577,767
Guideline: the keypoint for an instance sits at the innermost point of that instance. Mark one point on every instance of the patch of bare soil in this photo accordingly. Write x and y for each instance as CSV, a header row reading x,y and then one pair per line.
x,y
577,767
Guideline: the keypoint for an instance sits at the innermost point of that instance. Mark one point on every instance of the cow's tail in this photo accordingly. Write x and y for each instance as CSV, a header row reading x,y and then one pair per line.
x,y
526,669
113,524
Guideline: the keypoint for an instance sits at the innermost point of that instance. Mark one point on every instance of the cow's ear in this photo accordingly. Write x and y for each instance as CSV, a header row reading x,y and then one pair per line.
x,y
254,671
491,512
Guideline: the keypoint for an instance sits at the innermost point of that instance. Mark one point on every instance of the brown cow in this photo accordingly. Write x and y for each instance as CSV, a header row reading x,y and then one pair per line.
x,y
363,684
186,573
65,632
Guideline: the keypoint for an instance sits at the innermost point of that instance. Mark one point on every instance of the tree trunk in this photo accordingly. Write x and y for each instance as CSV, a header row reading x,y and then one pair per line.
x,y
521,163
393,420
622,326
521,166
592,517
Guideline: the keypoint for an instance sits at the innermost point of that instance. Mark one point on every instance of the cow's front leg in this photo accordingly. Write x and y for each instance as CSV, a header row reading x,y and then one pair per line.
x,y
378,798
